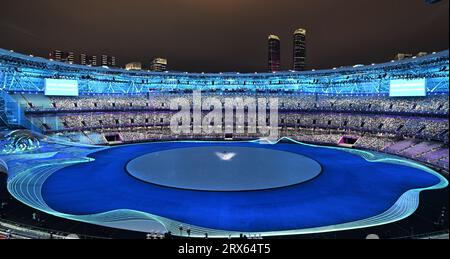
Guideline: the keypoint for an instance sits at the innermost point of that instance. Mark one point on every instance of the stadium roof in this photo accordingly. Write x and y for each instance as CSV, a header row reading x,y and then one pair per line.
x,y
50,63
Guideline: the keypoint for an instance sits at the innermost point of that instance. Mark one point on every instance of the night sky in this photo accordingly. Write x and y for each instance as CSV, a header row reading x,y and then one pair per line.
x,y
225,35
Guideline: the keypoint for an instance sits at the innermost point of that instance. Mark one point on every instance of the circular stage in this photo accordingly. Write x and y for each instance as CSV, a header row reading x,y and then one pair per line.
x,y
228,188
223,168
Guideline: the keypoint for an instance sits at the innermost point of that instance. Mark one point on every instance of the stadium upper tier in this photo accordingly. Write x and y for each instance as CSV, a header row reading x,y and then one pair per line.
x,y
22,73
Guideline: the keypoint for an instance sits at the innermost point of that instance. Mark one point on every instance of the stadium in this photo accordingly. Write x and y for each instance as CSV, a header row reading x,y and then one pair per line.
x,y
358,150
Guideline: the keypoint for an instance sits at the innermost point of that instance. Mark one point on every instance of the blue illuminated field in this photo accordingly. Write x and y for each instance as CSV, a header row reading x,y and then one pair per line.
x,y
350,188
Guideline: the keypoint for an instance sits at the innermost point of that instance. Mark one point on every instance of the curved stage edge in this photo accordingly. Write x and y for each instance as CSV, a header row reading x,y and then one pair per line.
x,y
25,181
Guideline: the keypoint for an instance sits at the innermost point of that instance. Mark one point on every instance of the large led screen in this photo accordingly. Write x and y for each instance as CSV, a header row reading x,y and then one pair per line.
x,y
61,87
403,87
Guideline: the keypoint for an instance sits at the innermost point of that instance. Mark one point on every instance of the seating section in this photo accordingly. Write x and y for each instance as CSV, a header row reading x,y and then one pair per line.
x,y
400,146
415,127
435,105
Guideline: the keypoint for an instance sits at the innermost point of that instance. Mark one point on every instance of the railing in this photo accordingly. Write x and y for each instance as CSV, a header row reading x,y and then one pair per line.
x,y
31,232
444,234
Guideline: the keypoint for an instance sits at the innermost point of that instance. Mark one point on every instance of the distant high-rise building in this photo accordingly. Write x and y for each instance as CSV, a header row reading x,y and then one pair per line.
x,y
274,60
299,50
401,56
422,53
133,66
159,65
62,56
109,61
88,60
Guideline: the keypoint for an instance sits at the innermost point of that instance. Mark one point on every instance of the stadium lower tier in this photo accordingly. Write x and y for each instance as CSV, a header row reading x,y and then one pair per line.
x,y
413,127
433,153
424,117
338,188
426,128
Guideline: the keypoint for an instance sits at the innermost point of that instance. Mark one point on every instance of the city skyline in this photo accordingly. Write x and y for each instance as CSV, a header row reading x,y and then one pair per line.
x,y
203,36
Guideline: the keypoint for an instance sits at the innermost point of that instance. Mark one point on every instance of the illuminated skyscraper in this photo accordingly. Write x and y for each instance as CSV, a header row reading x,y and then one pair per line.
x,y
299,49
88,60
159,65
58,55
274,60
109,61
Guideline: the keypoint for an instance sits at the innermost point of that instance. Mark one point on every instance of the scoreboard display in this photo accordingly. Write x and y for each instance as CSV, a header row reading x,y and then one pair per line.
x,y
406,88
61,87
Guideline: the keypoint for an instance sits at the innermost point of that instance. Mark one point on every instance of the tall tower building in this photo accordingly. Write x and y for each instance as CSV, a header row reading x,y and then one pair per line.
x,y
159,65
58,55
299,49
274,60
88,60
109,61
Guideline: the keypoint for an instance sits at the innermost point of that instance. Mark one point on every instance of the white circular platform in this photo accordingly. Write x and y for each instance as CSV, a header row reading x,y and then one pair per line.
x,y
223,168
